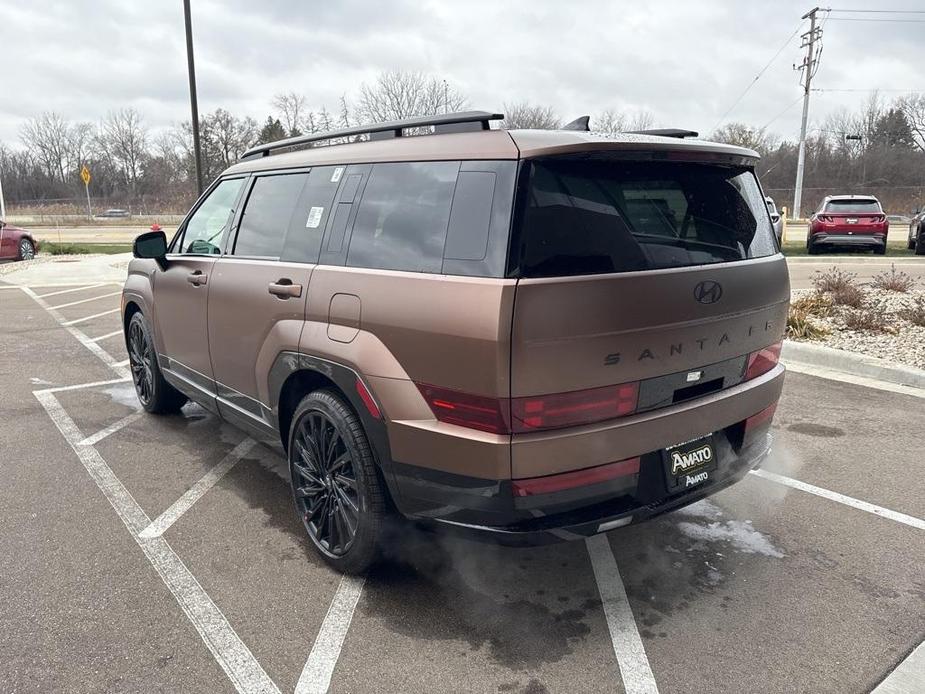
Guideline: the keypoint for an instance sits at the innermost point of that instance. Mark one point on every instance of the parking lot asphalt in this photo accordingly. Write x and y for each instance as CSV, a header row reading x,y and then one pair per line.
x,y
144,553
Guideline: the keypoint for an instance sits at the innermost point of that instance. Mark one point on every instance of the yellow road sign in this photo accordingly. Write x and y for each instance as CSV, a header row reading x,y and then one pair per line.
x,y
85,175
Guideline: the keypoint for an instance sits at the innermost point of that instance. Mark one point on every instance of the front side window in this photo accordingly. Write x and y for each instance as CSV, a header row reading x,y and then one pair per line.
x,y
206,229
267,216
593,217
402,220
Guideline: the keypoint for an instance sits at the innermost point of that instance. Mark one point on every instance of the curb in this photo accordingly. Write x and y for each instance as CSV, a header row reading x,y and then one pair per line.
x,y
851,363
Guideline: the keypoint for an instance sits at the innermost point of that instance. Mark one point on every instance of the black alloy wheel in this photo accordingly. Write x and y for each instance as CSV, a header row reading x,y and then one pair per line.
x,y
140,358
325,484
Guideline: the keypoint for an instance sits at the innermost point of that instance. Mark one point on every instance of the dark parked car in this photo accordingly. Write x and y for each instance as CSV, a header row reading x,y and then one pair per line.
x,y
854,221
16,243
917,233
113,214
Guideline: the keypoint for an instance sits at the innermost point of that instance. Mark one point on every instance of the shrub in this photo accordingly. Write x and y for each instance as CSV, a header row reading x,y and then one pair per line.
x,y
893,281
801,327
914,312
848,295
833,280
872,320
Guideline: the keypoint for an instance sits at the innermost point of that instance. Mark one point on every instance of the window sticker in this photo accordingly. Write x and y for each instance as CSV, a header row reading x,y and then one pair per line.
x,y
335,177
314,217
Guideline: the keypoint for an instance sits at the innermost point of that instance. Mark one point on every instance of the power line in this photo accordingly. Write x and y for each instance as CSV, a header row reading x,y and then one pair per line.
x,y
794,103
758,76
835,9
872,89
864,19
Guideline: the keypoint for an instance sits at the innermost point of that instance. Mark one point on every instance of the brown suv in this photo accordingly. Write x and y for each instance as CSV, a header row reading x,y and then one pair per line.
x,y
528,334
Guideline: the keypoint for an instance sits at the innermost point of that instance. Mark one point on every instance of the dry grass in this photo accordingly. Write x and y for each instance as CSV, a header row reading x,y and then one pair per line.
x,y
815,304
893,281
868,319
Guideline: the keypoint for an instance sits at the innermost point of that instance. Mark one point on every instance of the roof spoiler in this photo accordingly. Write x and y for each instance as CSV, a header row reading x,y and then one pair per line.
x,y
445,123
666,132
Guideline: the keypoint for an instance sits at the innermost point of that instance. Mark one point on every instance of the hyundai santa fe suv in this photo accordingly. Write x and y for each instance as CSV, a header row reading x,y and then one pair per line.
x,y
525,335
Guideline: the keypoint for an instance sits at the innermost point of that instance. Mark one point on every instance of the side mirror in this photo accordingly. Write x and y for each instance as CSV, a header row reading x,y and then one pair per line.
x,y
151,244
2,224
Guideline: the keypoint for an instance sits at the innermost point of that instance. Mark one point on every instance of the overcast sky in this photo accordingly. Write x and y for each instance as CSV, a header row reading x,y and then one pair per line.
x,y
685,61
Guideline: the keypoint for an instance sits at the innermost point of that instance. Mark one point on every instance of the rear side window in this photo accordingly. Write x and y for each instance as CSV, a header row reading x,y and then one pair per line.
x,y
268,215
303,243
402,220
592,217
853,206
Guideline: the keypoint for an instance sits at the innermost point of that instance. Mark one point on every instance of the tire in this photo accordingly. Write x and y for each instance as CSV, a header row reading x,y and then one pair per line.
x,y
880,250
811,248
911,244
920,244
155,394
336,488
26,249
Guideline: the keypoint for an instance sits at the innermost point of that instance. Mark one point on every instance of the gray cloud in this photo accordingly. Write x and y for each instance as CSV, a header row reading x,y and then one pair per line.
x,y
684,61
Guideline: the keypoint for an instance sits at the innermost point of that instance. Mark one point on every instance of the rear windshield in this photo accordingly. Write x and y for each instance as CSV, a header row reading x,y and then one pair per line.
x,y
853,206
586,217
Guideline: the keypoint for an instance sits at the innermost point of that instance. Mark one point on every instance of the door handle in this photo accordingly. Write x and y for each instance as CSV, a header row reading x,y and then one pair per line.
x,y
285,289
197,278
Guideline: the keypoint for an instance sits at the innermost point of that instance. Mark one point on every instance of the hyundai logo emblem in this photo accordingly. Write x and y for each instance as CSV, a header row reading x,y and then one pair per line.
x,y
708,292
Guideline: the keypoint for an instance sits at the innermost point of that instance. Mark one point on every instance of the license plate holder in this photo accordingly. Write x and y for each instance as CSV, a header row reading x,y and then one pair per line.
x,y
689,464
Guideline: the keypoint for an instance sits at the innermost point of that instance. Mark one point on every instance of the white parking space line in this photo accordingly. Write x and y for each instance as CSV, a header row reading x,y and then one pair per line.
x,y
627,644
72,289
87,301
908,677
234,657
94,439
106,336
124,362
832,375
81,386
81,337
87,318
316,675
842,499
160,524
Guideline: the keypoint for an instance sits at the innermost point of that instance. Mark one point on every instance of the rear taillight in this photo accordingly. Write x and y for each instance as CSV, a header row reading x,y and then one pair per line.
x,y
466,410
579,478
825,218
763,360
559,410
533,413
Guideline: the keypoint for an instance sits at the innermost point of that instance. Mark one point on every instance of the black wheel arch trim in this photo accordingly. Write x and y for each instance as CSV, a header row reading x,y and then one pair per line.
x,y
287,364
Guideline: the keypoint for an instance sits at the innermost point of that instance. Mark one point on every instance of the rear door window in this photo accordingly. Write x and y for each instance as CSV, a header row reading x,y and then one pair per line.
x,y
402,219
313,209
592,217
268,215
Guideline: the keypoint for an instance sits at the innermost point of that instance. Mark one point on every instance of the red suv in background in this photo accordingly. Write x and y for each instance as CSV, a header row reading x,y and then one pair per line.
x,y
857,221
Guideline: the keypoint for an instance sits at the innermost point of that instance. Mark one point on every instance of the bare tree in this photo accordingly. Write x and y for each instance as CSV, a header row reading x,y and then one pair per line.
x,y
47,138
745,136
613,121
344,112
124,139
913,106
398,94
533,116
291,109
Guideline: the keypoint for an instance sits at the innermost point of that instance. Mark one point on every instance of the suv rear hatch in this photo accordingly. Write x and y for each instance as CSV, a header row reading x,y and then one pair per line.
x,y
642,285
854,216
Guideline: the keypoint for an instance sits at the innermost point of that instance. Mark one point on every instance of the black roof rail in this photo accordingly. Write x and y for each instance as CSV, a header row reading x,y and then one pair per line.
x,y
443,123
666,132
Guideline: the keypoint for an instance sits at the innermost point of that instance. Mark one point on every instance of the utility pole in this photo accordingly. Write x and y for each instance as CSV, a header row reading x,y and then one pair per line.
x,y
808,68
2,203
194,106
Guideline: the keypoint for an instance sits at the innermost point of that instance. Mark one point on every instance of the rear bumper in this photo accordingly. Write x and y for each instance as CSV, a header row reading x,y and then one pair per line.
x,y
846,239
490,507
